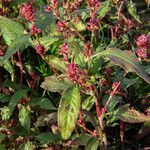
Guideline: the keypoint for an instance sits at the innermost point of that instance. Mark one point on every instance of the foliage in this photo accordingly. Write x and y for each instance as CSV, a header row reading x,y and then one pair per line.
x,y
74,74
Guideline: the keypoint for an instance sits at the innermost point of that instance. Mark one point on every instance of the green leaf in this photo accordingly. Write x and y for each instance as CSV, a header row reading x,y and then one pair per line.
x,y
56,63
24,117
88,103
43,20
20,43
16,97
79,26
92,144
5,113
44,103
54,84
48,137
10,29
129,82
126,60
7,65
46,119
131,115
81,140
104,9
2,147
46,41
133,12
2,137
68,111
29,146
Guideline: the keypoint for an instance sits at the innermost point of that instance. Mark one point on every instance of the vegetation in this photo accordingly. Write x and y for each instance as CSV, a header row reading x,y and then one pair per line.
x,y
74,74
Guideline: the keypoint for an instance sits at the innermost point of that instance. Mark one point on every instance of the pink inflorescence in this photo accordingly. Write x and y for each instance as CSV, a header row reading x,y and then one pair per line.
x,y
93,3
142,53
73,72
64,51
143,45
143,41
27,11
40,49
34,30
61,25
93,24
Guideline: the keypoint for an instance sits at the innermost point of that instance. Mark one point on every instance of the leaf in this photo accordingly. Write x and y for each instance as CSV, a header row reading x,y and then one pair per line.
x,y
10,29
48,137
20,43
43,20
133,12
104,9
2,137
131,115
13,85
88,103
46,119
29,146
126,60
54,84
129,82
2,147
16,97
68,111
79,26
44,103
56,63
5,113
81,140
92,144
24,117
79,60
7,65
46,41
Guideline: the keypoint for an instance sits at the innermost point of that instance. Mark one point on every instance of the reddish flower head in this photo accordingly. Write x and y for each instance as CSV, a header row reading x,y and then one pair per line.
x,y
27,11
73,72
61,25
93,24
40,49
34,30
143,41
142,53
93,3
2,53
64,50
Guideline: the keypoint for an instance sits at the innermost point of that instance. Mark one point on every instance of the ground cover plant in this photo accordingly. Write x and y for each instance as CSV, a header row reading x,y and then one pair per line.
x,y
74,74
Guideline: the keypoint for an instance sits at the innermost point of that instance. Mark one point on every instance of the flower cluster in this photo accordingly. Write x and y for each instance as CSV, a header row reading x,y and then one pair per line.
x,y
52,6
27,11
63,29
75,74
93,24
143,44
40,49
93,4
34,30
64,51
72,6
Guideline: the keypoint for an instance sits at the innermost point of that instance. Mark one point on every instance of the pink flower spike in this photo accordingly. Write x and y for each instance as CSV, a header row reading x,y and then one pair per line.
x,y
34,30
143,41
27,11
40,49
142,53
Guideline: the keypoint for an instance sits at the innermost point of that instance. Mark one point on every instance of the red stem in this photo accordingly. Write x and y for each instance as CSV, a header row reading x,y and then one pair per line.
x,y
21,67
